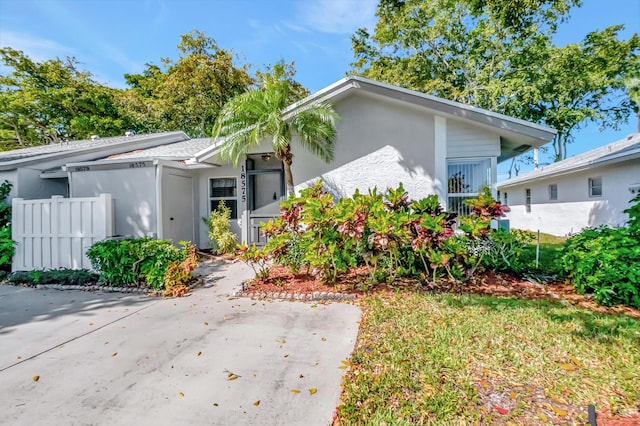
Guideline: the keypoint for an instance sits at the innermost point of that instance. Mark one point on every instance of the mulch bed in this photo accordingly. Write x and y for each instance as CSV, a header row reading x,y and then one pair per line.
x,y
356,282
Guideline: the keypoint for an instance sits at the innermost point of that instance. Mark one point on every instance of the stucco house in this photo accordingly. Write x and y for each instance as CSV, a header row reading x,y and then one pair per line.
x,y
163,184
587,190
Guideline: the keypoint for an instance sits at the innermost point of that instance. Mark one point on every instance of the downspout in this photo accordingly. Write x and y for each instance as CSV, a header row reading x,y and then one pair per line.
x,y
159,215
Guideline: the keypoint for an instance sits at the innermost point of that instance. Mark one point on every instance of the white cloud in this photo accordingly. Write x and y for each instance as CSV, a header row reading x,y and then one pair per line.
x,y
336,16
38,49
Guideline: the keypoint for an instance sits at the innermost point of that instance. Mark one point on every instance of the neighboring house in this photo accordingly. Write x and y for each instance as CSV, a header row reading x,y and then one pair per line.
x,y
163,184
588,190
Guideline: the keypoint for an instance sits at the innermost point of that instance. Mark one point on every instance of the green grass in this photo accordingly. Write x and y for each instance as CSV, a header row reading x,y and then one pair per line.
x,y
550,250
446,359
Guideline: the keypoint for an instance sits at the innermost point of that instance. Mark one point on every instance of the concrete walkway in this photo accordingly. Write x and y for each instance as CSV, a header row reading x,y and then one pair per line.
x,y
205,359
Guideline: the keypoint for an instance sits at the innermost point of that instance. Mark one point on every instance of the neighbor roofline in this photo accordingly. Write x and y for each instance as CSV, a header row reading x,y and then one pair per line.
x,y
97,149
600,162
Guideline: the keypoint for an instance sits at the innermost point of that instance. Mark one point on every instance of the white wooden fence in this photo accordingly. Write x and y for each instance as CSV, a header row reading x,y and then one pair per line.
x,y
55,233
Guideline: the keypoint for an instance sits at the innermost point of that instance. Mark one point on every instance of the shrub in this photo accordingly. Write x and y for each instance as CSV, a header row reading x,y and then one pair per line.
x,y
7,245
220,235
178,274
605,262
134,261
257,259
61,276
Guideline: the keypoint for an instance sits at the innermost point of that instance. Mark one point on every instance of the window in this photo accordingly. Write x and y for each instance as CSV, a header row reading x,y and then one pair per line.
x,y
553,191
506,199
595,187
224,189
465,179
527,200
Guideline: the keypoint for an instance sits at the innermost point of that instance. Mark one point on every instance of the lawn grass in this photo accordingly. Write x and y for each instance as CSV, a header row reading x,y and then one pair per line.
x,y
448,359
550,250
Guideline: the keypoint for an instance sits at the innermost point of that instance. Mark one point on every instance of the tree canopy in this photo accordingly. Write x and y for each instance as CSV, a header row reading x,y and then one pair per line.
x,y
188,93
261,114
42,102
500,55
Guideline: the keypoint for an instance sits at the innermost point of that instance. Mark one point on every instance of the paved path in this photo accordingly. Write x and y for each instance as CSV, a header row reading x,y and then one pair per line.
x,y
123,359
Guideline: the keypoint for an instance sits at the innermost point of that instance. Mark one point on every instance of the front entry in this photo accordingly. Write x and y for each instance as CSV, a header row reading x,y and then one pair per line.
x,y
265,192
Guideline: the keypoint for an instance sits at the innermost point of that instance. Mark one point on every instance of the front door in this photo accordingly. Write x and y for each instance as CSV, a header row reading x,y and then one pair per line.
x,y
265,192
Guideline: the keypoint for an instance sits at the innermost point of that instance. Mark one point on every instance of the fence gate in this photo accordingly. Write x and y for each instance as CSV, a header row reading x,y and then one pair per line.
x,y
55,233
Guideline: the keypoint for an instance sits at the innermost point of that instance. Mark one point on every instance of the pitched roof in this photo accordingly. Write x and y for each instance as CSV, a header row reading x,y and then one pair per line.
x,y
516,135
621,150
90,149
174,151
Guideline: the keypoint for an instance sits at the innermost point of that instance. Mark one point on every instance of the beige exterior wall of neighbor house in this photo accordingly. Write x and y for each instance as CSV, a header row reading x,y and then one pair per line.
x,y
133,193
574,209
379,143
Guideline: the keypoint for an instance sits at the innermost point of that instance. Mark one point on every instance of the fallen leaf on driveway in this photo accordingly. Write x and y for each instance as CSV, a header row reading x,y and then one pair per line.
x,y
255,404
18,357
180,393
312,391
294,391
36,378
324,339
114,354
199,353
206,323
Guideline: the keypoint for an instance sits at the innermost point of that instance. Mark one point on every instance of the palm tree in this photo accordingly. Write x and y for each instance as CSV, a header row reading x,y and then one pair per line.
x,y
261,113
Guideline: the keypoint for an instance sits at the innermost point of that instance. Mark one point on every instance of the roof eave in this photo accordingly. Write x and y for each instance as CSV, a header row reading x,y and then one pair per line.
x,y
98,150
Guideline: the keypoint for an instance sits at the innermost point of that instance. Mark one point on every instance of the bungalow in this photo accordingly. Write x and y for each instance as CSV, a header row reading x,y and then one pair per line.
x,y
588,190
162,184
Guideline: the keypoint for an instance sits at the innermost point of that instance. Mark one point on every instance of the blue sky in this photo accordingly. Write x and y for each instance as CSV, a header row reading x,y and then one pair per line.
x,y
114,37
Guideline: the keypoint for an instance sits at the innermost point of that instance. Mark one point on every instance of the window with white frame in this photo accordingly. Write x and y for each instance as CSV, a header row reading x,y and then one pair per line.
x,y
506,199
595,187
553,192
527,200
224,189
465,178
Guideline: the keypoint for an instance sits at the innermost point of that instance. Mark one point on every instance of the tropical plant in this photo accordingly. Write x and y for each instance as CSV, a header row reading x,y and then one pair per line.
x,y
262,113
220,236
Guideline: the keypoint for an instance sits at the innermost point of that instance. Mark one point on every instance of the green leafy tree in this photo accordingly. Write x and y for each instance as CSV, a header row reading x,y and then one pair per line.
x,y
186,94
499,55
262,113
633,86
44,102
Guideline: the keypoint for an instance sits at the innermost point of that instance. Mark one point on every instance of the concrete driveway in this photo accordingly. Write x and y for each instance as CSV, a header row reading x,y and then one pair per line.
x,y
204,359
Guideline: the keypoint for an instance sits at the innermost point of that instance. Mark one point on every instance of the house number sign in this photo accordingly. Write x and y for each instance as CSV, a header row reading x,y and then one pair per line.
x,y
243,184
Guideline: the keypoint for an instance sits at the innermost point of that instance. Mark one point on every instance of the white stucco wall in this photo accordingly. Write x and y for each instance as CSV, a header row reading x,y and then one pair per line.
x,y
30,186
133,191
379,143
203,205
574,210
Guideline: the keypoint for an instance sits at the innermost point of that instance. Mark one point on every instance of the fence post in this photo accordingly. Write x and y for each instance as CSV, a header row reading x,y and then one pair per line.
x,y
55,231
17,228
